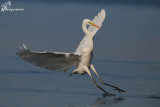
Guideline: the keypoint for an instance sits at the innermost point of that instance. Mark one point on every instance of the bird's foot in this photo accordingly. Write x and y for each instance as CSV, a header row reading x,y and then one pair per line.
x,y
119,90
115,88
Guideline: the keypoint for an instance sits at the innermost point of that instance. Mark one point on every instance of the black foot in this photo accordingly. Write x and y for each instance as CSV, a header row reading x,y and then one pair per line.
x,y
119,90
115,88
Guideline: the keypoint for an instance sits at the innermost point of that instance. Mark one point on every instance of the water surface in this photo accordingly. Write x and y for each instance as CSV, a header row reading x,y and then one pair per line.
x,y
126,54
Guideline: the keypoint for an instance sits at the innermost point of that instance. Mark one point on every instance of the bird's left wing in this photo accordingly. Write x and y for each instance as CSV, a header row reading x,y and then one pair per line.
x,y
58,61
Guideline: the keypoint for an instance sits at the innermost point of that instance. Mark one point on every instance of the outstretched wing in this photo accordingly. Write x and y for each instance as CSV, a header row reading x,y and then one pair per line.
x,y
98,20
50,60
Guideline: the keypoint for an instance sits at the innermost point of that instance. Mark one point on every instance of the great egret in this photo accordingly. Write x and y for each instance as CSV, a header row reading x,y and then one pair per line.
x,y
81,58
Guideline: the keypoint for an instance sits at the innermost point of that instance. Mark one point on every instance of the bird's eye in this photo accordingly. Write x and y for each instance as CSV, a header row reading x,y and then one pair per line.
x,y
89,22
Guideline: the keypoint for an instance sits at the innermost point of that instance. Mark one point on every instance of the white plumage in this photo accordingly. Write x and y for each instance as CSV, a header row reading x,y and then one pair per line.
x,y
60,61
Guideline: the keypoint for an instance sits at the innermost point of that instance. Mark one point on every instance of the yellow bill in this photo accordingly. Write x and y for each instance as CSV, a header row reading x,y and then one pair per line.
x,y
95,25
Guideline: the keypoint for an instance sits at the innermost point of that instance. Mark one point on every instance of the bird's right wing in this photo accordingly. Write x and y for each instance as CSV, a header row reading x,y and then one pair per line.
x,y
58,61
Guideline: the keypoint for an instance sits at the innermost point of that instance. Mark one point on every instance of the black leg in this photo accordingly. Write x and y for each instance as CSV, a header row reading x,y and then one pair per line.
x,y
115,88
99,86
87,70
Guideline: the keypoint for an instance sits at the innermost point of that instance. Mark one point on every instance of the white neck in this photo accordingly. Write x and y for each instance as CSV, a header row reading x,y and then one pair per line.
x,y
85,30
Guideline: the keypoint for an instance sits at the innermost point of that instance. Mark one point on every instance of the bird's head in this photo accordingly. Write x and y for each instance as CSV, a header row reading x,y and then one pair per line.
x,y
88,22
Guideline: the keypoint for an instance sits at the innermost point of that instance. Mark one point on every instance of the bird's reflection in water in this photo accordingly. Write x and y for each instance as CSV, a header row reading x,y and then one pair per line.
x,y
106,100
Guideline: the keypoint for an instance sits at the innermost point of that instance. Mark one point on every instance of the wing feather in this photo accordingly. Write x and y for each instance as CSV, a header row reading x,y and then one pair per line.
x,y
98,20
58,61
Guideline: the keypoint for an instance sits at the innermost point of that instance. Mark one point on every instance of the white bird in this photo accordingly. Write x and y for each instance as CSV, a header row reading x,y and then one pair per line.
x,y
81,58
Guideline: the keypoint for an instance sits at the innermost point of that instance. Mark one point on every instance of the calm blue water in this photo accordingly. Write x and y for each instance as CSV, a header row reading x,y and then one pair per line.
x,y
126,54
